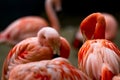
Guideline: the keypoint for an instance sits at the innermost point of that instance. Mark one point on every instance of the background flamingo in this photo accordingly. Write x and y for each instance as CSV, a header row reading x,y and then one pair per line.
x,y
98,57
55,69
54,22
110,33
47,44
111,26
28,26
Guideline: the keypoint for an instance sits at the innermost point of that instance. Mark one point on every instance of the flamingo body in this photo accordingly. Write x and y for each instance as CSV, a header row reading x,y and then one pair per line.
x,y
21,29
56,69
98,57
47,44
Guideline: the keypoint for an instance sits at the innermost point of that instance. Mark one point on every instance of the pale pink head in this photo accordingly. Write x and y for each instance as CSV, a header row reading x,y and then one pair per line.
x,y
50,37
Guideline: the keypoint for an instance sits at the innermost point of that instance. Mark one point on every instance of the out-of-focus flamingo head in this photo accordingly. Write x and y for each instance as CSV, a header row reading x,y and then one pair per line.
x,y
50,37
93,26
52,16
57,4
2,38
111,26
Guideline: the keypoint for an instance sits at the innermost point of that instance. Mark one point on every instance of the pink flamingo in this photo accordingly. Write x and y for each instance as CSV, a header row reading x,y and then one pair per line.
x,y
28,26
98,57
46,45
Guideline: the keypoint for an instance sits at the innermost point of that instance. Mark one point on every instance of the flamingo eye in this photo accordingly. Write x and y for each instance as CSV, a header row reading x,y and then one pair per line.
x,y
43,37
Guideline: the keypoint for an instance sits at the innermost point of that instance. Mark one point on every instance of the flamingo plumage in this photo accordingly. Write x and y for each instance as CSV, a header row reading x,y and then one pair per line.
x,y
46,45
55,69
98,57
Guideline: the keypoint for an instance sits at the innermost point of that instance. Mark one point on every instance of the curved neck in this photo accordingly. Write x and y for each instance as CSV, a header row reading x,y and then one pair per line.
x,y
52,15
93,26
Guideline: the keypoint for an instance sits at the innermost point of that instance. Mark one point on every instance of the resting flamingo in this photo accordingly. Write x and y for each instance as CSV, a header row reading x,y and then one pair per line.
x,y
55,69
47,45
98,57
28,26
110,32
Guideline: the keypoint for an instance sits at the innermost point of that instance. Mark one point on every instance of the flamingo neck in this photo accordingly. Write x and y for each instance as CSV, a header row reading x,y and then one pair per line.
x,y
93,26
52,15
100,28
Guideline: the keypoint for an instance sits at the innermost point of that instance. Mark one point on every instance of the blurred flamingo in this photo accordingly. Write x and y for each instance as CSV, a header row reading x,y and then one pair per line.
x,y
110,32
98,57
47,45
55,69
54,22
28,26
111,26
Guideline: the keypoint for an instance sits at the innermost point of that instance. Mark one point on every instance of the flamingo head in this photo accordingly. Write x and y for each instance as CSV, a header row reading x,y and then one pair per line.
x,y
93,26
57,4
48,36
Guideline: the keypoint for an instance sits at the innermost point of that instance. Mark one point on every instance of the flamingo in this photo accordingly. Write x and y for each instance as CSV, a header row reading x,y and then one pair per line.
x,y
110,32
98,57
46,45
55,69
28,26
77,40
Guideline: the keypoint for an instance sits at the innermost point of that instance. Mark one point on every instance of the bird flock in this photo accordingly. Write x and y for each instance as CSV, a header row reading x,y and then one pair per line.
x,y
39,52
